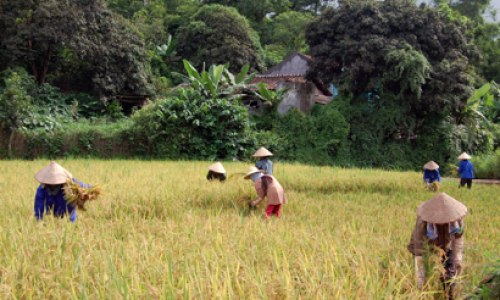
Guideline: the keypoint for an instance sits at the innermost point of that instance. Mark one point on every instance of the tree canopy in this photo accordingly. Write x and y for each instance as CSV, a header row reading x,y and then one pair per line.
x,y
94,35
393,47
217,35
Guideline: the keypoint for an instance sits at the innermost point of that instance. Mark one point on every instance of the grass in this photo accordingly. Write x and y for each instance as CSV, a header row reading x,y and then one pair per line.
x,y
162,231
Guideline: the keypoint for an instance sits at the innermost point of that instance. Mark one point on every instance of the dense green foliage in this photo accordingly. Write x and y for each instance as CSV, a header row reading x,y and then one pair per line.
x,y
403,83
393,47
415,83
487,165
217,35
192,127
218,82
36,32
14,106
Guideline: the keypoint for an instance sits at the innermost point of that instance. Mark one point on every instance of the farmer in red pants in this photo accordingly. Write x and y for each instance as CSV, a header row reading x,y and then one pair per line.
x,y
267,185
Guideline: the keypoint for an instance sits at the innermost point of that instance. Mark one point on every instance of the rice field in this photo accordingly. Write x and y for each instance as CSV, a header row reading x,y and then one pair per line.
x,y
162,231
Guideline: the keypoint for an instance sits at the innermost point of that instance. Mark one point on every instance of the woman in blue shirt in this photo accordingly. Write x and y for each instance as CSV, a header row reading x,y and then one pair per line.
x,y
50,193
264,163
466,170
431,173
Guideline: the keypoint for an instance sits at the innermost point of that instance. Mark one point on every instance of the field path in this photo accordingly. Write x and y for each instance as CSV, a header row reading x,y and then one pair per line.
x,y
485,181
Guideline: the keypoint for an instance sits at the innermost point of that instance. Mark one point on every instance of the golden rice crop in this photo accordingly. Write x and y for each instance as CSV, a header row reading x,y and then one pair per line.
x,y
78,196
165,232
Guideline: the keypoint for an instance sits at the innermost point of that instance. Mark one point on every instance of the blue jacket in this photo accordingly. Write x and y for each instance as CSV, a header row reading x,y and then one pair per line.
x,y
466,169
265,164
57,203
431,176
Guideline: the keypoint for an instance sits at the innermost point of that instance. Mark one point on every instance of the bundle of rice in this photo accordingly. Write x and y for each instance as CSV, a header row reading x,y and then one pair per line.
x,y
77,195
435,186
240,174
245,198
453,169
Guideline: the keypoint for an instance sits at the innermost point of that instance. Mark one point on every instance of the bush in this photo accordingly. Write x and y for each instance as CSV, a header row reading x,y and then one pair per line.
x,y
192,128
487,165
318,138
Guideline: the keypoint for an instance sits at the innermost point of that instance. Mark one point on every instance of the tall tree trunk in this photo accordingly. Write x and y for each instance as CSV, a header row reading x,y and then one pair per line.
x,y
45,66
31,61
9,147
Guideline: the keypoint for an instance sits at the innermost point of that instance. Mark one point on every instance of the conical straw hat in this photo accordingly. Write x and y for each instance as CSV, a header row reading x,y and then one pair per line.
x,y
464,156
431,166
253,170
53,174
262,152
217,168
441,209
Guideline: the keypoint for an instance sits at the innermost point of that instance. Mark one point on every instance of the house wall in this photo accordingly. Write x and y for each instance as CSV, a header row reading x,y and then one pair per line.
x,y
296,65
300,95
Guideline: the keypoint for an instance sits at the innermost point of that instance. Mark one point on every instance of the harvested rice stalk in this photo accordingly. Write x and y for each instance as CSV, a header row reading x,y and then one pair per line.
x,y
77,195
435,186
246,199
236,174
453,168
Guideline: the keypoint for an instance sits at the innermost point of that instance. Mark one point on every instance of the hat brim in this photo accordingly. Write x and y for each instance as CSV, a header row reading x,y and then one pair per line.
x,y
262,152
53,174
217,168
431,166
442,209
251,173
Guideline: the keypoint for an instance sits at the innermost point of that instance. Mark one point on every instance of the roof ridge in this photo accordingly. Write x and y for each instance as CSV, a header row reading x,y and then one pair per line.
x,y
279,75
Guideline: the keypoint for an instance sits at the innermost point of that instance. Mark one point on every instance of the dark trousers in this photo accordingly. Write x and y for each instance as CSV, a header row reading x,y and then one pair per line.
x,y
449,273
463,181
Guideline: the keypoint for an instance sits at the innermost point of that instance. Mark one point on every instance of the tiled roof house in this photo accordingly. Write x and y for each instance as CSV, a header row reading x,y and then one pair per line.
x,y
290,73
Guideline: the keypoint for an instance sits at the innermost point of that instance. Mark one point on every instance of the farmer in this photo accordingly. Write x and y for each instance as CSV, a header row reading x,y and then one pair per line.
x,y
264,163
439,225
431,173
50,193
267,185
216,171
466,170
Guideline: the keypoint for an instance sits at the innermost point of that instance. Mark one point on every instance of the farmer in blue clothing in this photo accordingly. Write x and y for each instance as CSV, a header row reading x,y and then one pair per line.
x,y
466,170
50,193
431,173
264,163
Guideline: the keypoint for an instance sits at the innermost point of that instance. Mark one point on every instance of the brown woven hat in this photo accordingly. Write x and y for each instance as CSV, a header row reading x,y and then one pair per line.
x,y
441,209
262,152
431,166
217,168
464,156
253,170
53,174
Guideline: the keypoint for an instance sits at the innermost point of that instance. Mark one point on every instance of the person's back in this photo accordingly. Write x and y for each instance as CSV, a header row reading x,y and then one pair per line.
x,y
274,191
216,172
265,164
216,176
432,175
466,169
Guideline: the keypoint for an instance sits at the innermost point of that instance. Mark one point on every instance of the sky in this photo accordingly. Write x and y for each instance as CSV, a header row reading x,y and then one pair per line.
x,y
494,3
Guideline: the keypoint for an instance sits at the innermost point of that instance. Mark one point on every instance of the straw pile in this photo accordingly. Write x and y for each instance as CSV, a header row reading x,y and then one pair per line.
x,y
77,195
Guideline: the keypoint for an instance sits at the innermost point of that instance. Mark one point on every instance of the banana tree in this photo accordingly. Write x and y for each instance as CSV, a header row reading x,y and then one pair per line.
x,y
167,51
218,82
481,100
270,97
